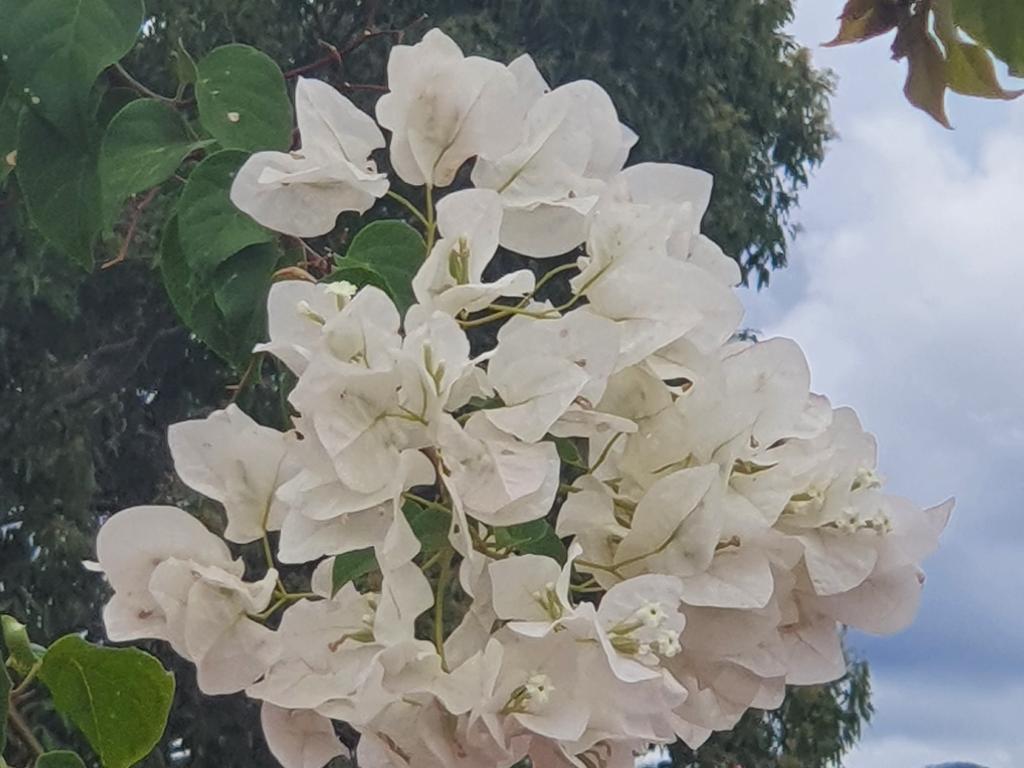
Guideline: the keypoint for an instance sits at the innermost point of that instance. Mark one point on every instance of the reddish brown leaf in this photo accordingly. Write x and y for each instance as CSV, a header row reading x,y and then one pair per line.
x,y
926,72
864,19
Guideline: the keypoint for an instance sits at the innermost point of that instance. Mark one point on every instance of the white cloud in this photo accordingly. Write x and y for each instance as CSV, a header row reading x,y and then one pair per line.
x,y
905,290
923,741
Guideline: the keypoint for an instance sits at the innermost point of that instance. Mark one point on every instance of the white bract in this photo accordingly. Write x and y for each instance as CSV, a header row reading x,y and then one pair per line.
x,y
510,526
302,192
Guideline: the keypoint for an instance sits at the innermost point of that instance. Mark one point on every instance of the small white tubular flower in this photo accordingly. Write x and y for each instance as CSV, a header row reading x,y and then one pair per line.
x,y
639,622
450,278
444,108
548,184
540,368
438,374
230,458
538,686
887,600
302,192
532,592
300,738
498,479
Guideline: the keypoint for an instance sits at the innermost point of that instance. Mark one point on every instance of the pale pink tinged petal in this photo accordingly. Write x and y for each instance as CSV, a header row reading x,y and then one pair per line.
x,y
300,738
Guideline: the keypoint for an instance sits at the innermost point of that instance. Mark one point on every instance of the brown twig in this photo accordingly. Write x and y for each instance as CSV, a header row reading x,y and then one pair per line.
x,y
133,224
364,87
332,55
24,731
255,363
149,93
337,55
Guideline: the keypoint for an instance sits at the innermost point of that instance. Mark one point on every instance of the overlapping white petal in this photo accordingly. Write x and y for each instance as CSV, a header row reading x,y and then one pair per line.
x,y
302,192
444,108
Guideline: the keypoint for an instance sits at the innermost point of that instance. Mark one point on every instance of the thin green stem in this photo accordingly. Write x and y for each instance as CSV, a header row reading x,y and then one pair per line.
x,y
427,503
503,312
431,222
28,680
432,561
591,566
604,453
264,615
135,84
442,588
409,206
545,279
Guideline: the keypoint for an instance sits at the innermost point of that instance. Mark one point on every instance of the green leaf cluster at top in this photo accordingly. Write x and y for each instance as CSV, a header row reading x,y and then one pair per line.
x,y
89,156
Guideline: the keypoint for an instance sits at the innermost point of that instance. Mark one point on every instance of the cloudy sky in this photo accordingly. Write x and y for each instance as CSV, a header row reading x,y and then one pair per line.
x,y
905,291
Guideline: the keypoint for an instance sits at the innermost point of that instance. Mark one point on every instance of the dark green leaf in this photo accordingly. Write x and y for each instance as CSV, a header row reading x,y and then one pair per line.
x,y
184,65
569,452
243,101
210,227
10,111
351,566
431,526
225,310
394,250
143,146
57,48
61,759
112,101
61,184
241,285
5,703
359,276
536,537
118,697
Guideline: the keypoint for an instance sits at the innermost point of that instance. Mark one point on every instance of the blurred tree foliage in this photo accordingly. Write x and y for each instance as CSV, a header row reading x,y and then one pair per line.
x,y
94,366
814,728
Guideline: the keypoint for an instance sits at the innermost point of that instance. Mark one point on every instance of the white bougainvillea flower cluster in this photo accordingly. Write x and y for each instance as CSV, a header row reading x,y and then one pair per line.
x,y
708,524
